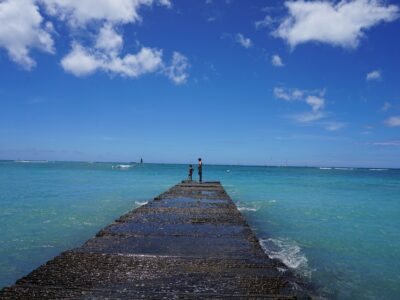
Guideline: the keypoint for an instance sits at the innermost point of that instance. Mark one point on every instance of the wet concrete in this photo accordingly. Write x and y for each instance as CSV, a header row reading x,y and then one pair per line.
x,y
189,242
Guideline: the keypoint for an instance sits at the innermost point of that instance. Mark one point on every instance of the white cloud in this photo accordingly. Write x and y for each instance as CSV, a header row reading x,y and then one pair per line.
x,y
308,117
334,126
312,98
83,61
288,95
245,42
340,24
374,75
386,106
147,60
109,40
388,143
22,29
266,22
280,93
297,94
80,61
317,103
105,54
177,71
315,99
79,13
276,61
393,121
106,57
166,3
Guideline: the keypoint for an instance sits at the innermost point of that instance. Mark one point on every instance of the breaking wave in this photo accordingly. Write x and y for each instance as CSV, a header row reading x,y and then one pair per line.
x,y
141,203
32,161
122,167
289,252
244,208
255,206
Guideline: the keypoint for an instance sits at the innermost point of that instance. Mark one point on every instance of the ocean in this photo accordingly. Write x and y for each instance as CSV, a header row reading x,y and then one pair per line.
x,y
339,228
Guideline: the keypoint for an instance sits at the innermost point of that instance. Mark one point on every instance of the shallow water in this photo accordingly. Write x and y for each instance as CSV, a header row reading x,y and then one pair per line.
x,y
339,228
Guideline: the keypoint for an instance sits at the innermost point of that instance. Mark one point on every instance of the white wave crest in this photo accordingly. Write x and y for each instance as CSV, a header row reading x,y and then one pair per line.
x,y
141,203
345,169
325,168
244,208
122,167
289,252
378,169
32,161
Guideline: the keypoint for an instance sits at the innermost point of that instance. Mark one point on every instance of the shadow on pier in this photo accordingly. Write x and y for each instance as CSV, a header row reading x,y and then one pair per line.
x,y
189,242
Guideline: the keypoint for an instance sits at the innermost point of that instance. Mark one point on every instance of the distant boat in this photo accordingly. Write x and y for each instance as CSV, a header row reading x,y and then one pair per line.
x,y
141,160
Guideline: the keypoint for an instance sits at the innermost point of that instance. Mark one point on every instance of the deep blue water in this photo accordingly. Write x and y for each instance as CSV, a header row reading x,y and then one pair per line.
x,y
340,228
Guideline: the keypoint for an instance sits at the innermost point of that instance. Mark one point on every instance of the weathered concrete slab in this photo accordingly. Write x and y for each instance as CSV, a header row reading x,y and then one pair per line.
x,y
189,242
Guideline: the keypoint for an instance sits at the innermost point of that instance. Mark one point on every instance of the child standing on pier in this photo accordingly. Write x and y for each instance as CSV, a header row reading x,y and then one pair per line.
x,y
190,172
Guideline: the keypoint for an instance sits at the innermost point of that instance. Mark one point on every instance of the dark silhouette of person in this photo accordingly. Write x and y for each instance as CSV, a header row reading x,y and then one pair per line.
x,y
190,172
200,168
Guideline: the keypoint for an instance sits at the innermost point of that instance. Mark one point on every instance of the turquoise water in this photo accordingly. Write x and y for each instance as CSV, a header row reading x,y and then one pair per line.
x,y
339,228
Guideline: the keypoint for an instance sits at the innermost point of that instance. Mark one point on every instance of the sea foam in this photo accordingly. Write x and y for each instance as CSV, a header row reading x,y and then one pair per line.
x,y
122,167
244,208
289,252
32,161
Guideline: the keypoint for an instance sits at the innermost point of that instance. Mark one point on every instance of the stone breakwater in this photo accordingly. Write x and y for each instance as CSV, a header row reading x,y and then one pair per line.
x,y
189,242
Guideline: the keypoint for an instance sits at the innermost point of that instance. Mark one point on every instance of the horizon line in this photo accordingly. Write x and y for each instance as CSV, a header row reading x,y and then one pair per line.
x,y
210,164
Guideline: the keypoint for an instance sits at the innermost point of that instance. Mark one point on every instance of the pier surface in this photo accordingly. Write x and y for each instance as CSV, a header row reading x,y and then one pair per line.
x,y
189,242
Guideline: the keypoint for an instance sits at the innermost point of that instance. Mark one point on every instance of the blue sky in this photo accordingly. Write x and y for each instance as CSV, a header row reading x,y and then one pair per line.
x,y
235,82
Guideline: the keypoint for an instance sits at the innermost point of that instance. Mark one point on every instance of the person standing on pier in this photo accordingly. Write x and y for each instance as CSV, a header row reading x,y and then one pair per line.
x,y
200,168
190,172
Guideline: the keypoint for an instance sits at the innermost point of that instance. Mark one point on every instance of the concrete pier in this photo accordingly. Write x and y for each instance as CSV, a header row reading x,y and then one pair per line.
x,y
189,242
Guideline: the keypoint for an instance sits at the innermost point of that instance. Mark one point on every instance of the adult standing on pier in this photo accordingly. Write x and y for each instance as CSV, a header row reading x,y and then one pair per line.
x,y
200,168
